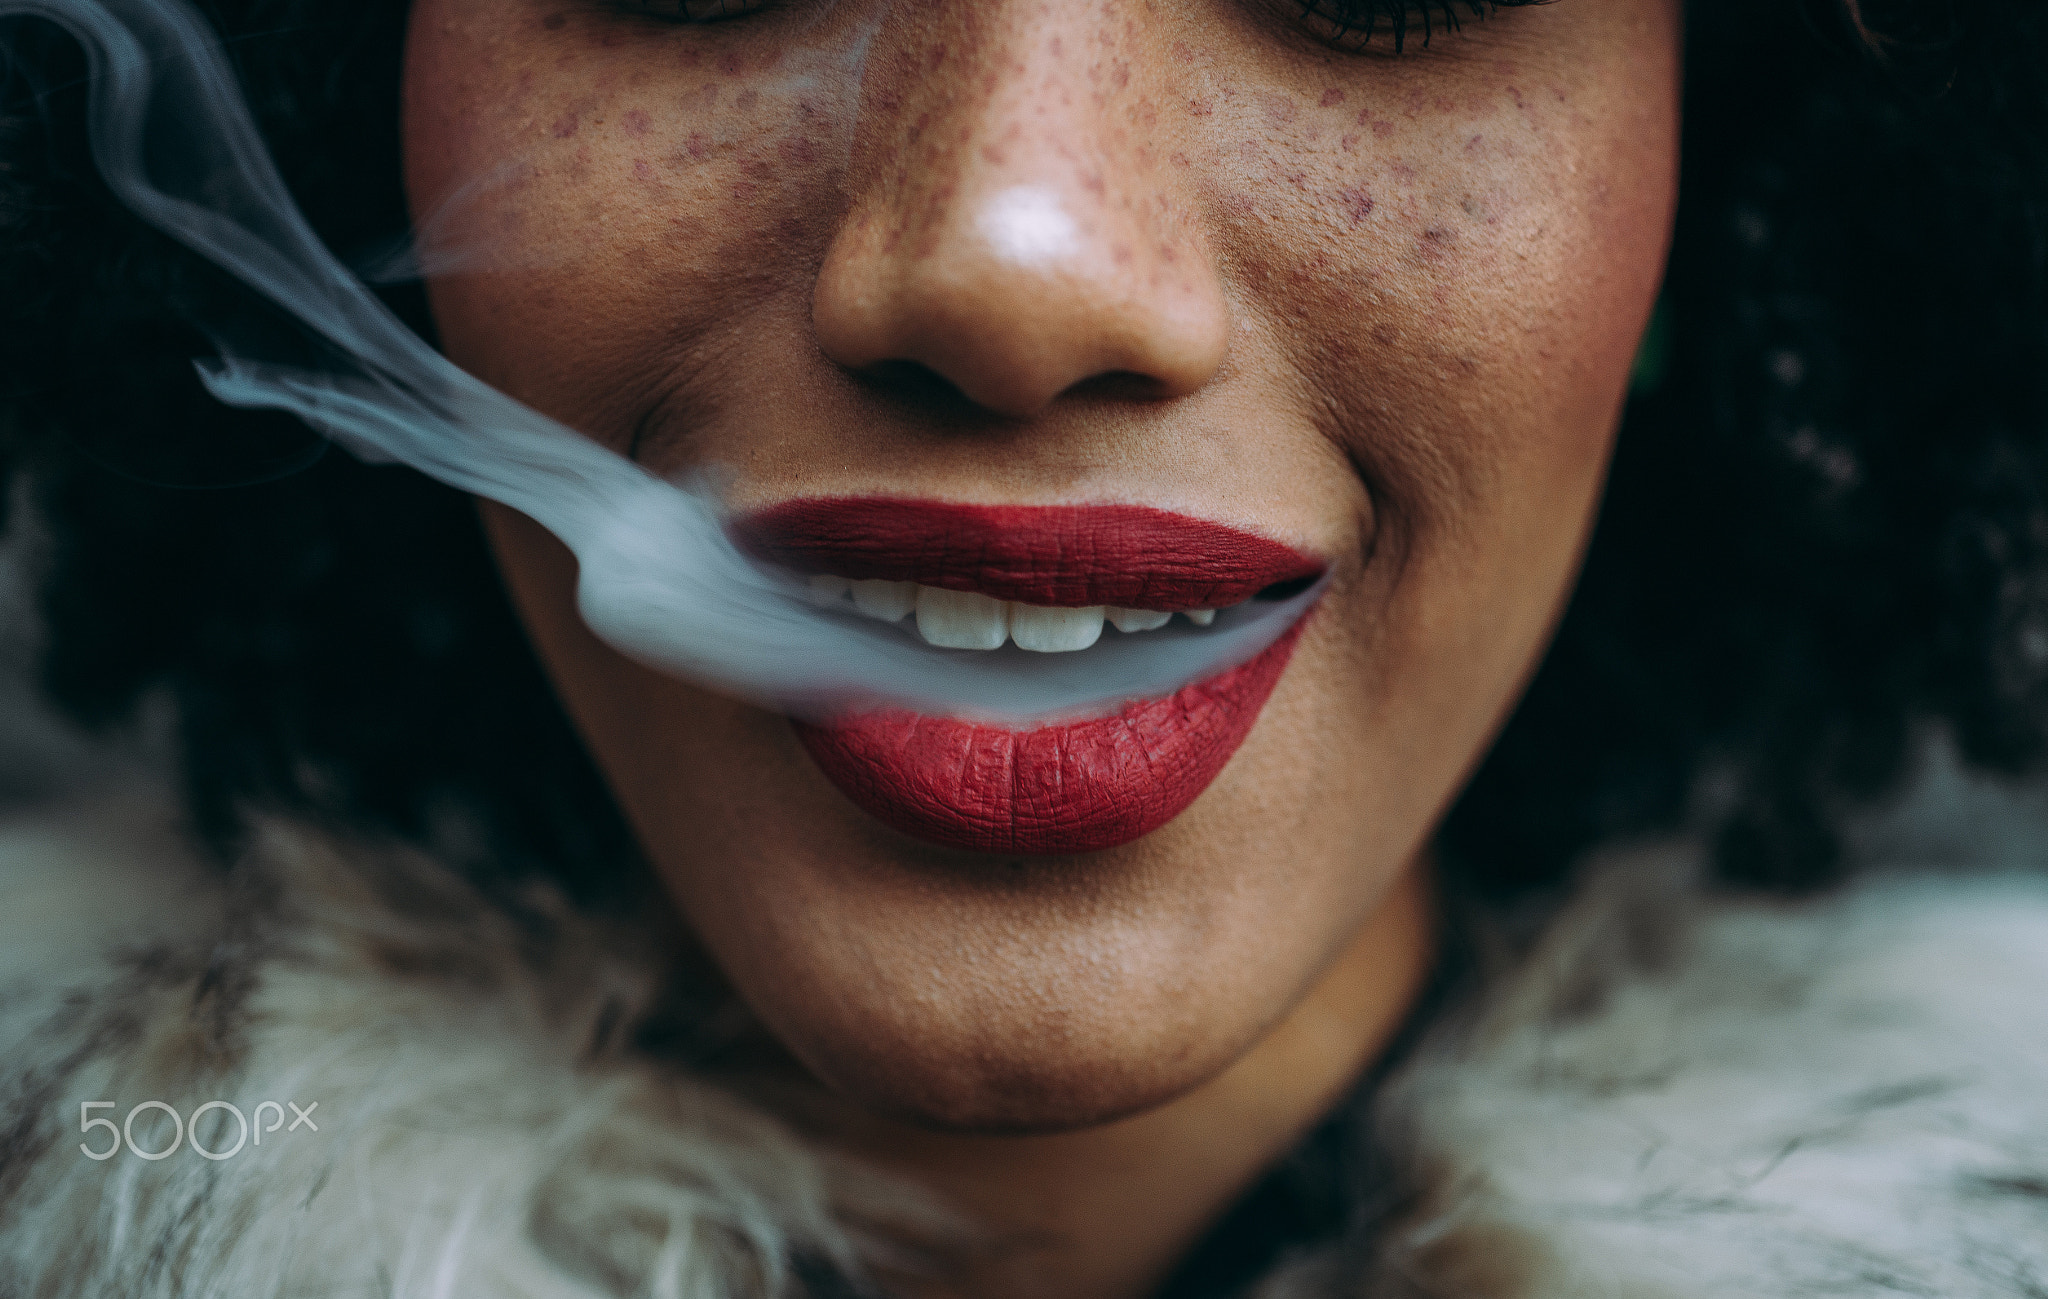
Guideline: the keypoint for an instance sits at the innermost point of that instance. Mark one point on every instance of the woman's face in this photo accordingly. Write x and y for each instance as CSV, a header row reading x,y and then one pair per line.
x,y
1182,254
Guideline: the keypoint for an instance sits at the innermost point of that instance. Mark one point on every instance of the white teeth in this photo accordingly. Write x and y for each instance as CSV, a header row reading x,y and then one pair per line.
x,y
1134,620
969,620
1055,631
961,619
888,601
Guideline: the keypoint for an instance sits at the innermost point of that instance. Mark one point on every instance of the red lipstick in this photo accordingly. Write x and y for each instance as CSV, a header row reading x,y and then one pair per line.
x,y
1058,789
1059,556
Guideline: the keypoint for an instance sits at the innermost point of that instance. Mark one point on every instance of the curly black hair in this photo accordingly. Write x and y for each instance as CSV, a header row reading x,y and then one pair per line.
x,y
1826,531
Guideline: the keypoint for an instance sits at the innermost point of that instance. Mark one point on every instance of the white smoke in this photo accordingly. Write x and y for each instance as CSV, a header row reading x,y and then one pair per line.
x,y
660,580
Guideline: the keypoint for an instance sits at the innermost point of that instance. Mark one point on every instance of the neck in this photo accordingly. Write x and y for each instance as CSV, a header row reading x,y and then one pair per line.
x,y
1105,1212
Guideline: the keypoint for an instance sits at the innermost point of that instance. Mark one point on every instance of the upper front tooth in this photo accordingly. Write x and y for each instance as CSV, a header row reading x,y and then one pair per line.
x,y
888,601
1138,619
1201,617
1054,631
962,619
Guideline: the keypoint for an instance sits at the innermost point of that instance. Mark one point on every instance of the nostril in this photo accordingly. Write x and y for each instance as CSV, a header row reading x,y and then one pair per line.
x,y
917,384
1119,385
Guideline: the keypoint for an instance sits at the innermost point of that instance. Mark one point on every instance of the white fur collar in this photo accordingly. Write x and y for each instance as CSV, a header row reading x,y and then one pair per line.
x,y
1676,1096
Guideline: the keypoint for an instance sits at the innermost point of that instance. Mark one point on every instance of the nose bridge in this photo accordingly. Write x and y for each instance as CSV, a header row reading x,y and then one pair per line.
x,y
1016,223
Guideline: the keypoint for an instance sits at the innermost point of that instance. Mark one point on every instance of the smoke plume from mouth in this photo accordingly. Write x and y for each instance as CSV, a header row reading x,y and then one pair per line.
x,y
660,580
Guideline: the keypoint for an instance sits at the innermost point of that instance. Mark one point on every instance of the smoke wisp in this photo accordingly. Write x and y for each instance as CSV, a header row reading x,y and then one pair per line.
x,y
660,579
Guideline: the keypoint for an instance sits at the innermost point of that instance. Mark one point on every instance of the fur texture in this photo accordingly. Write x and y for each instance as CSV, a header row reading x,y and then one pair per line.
x,y
1676,1095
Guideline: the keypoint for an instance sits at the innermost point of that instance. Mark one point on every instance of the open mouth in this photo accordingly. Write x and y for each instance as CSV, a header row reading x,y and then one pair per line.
x,y
1053,579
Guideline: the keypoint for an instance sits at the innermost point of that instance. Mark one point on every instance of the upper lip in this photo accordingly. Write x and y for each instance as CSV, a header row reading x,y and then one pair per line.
x,y
1056,556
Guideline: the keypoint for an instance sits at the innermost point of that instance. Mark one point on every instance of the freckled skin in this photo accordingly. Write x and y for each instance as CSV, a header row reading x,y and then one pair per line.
x,y
1382,309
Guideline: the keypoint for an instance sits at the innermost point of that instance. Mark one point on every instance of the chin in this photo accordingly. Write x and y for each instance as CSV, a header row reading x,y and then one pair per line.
x,y
997,1084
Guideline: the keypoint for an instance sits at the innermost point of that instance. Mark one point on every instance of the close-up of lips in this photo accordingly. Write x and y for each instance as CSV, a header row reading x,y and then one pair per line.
x,y
1023,649
1048,579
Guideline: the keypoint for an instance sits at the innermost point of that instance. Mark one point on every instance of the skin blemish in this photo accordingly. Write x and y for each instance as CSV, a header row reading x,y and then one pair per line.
x,y
637,122
565,126
1356,203
1200,108
747,99
696,148
641,169
1349,144
1280,109
1331,98
729,64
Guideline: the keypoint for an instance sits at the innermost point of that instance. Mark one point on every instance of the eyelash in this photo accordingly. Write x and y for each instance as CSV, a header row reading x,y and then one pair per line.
x,y
1345,23
1353,23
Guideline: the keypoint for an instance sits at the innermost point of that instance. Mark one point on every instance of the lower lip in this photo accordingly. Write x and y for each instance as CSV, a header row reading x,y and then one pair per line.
x,y
1055,790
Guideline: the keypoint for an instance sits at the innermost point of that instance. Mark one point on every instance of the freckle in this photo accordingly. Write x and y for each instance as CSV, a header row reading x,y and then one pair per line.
x,y
1331,98
937,57
744,191
1200,108
1057,48
1445,104
1122,254
565,126
993,156
697,147
1280,110
1472,144
642,170
729,64
1180,160
1166,254
1357,204
747,99
1381,130
555,22
797,149
1349,144
637,122
1122,75
1365,117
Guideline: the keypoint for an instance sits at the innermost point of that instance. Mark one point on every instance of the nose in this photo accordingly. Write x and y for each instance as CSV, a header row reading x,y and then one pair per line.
x,y
1017,224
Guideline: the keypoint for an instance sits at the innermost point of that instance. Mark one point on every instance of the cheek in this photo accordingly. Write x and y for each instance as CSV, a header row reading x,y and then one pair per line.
x,y
1457,266
596,208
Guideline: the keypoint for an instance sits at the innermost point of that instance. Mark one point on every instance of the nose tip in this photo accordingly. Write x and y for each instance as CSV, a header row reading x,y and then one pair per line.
x,y
1023,292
